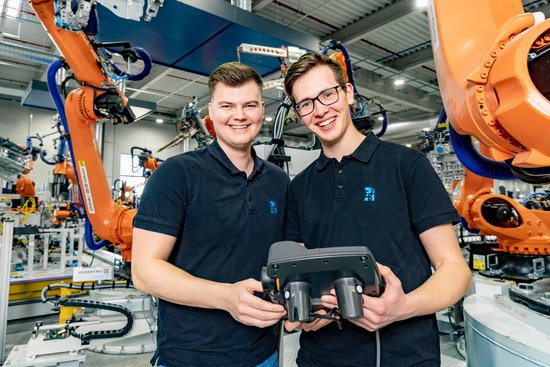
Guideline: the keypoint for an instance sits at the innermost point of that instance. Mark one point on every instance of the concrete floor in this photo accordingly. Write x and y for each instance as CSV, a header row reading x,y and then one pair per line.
x,y
19,331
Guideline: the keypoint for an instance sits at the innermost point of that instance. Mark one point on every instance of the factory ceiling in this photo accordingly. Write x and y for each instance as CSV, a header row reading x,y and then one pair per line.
x,y
386,40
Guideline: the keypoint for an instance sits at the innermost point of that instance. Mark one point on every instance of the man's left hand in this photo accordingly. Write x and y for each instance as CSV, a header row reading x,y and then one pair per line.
x,y
378,311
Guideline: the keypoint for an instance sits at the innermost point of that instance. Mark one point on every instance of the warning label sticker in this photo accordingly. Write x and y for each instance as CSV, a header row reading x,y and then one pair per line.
x,y
479,262
86,187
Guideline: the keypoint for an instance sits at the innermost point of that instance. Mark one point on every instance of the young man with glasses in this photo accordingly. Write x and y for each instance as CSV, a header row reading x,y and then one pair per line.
x,y
364,191
202,234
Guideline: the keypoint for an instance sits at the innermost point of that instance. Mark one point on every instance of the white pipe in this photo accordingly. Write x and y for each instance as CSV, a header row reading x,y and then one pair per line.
x,y
27,53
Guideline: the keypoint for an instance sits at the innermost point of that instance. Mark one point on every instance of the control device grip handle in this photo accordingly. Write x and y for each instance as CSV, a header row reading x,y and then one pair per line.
x,y
349,295
298,301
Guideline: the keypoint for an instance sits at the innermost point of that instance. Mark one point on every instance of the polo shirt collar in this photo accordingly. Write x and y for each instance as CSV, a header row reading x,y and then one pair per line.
x,y
217,152
366,149
363,153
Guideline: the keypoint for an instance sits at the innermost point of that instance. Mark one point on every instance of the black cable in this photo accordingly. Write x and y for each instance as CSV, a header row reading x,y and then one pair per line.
x,y
457,329
534,176
64,84
82,287
102,334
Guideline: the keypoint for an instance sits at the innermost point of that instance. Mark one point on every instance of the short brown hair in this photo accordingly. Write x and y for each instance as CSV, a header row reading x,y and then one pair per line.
x,y
307,62
233,74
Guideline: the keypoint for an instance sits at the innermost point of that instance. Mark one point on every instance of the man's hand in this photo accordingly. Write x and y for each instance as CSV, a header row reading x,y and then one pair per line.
x,y
308,326
378,311
248,309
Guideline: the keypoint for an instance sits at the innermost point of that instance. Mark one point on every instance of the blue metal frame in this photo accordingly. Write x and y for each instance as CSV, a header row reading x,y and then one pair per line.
x,y
197,36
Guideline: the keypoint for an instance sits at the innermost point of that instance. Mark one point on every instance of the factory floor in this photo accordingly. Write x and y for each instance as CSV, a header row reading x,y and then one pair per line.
x,y
19,331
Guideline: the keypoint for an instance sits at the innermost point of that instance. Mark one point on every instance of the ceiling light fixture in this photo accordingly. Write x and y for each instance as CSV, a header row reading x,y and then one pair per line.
x,y
269,119
421,3
13,8
399,81
159,121
380,118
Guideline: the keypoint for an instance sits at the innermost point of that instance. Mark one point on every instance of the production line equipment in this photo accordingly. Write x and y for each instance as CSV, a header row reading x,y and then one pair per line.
x,y
98,98
190,125
73,28
499,94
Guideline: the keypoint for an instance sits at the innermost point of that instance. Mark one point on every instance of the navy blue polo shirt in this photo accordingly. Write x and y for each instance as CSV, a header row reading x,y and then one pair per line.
x,y
381,196
224,223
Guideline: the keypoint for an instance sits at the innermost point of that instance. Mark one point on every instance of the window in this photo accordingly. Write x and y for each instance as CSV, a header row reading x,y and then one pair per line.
x,y
131,173
10,22
12,7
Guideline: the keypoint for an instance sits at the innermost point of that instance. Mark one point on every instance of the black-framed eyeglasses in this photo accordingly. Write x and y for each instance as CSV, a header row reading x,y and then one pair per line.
x,y
327,97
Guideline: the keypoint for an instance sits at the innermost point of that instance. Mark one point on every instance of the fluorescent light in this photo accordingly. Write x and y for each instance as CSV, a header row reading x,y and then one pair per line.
x,y
380,118
408,145
421,3
269,118
159,121
13,7
280,87
399,81
426,129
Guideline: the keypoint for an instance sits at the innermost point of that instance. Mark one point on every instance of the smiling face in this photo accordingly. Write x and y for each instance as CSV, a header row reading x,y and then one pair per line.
x,y
237,113
331,124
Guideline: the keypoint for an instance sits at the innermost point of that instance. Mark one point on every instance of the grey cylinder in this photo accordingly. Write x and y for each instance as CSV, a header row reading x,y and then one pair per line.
x,y
350,300
298,301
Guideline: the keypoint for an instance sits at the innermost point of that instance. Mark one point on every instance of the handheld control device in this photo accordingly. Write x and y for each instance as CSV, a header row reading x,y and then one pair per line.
x,y
296,277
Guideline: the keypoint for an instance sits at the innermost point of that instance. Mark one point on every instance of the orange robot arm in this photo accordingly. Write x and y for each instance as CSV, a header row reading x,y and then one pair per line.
x,y
25,187
481,50
151,163
83,107
207,121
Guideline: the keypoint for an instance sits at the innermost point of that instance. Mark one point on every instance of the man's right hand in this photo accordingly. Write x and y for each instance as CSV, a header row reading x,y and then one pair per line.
x,y
308,326
248,309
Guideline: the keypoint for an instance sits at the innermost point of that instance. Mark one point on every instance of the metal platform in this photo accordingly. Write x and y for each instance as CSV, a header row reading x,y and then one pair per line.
x,y
500,332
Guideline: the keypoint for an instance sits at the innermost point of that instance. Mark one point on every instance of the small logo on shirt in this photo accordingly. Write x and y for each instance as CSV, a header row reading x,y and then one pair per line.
x,y
273,207
370,193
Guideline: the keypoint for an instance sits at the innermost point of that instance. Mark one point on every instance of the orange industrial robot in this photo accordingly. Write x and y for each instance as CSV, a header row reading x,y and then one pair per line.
x,y
98,97
492,62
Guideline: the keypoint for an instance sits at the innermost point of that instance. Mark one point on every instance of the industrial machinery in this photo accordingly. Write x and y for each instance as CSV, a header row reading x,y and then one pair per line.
x,y
142,159
18,197
190,125
499,94
96,312
435,143
124,194
65,196
64,186
98,98
14,160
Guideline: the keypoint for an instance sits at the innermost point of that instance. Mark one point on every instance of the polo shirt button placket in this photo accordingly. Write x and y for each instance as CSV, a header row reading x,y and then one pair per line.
x,y
339,184
249,203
